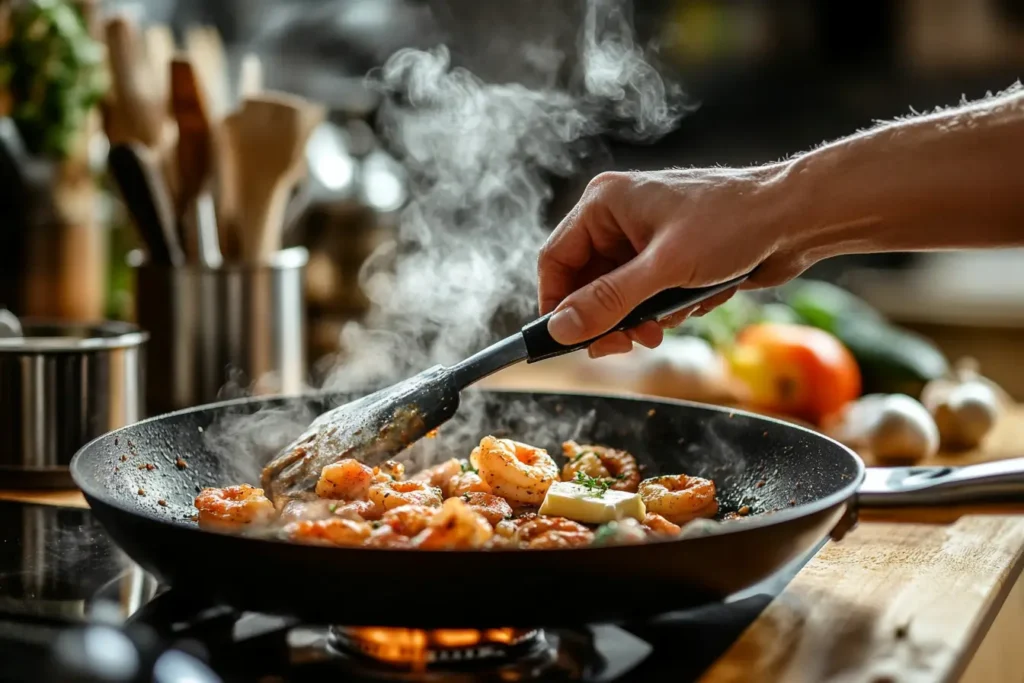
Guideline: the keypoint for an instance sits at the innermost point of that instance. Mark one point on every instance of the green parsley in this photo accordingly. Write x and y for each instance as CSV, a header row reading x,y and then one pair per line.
x,y
581,454
332,507
596,487
467,467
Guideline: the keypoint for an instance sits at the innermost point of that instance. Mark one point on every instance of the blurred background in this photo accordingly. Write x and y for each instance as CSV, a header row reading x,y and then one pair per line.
x,y
765,78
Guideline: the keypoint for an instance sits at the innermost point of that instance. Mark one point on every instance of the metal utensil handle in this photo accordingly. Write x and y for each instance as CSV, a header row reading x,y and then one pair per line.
x,y
540,345
990,482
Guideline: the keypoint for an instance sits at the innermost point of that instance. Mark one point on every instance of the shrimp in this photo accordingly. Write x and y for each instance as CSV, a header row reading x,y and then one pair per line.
x,y
299,510
679,498
656,525
456,526
509,527
466,482
409,520
389,471
392,494
619,468
347,479
357,510
515,471
335,531
493,508
438,476
233,506
386,537
554,532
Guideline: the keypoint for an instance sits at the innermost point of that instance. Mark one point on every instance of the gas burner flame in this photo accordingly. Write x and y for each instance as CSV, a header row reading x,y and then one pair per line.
x,y
418,649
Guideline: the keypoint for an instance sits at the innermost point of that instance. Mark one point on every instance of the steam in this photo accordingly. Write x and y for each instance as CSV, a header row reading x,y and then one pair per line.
x,y
462,270
480,156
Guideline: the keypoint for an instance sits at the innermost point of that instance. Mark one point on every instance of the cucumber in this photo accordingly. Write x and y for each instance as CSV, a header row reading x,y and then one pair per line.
x,y
824,305
891,360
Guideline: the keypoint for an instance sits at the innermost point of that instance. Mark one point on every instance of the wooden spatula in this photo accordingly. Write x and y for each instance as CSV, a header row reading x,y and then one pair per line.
x,y
136,87
195,161
267,140
206,50
160,49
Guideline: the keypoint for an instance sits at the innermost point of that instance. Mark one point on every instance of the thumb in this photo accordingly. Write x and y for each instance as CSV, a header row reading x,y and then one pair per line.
x,y
597,307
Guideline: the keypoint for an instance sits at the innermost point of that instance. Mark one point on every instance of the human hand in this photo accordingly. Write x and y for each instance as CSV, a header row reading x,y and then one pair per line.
x,y
633,235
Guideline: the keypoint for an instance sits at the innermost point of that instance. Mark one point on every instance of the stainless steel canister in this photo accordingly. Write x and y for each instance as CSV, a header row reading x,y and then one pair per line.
x,y
61,385
220,332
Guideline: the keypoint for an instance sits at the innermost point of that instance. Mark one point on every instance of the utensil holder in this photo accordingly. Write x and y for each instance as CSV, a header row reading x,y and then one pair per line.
x,y
62,385
220,333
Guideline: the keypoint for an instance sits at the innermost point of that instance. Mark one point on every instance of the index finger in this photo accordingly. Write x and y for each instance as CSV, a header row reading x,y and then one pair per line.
x,y
568,249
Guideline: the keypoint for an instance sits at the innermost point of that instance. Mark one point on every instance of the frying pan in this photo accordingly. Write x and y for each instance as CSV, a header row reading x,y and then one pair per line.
x,y
800,485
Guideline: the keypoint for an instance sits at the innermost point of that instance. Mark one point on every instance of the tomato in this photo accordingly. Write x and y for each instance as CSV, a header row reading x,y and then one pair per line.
x,y
794,370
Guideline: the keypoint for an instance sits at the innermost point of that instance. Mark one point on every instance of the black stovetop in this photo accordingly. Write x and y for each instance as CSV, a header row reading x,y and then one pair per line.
x,y
74,608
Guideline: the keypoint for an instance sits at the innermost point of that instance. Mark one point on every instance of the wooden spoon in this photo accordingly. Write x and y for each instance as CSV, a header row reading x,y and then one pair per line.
x,y
267,140
195,147
136,88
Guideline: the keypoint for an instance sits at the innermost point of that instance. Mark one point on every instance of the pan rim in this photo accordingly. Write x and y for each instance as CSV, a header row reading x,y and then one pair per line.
x,y
847,494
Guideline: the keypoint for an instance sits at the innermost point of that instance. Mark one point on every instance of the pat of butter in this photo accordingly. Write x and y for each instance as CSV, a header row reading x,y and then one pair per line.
x,y
579,503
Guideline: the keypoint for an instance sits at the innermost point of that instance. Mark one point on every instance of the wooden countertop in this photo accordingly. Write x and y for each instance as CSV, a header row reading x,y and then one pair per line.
x,y
928,595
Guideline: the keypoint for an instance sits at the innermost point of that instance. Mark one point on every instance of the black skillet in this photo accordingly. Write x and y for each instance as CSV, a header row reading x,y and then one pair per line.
x,y
800,486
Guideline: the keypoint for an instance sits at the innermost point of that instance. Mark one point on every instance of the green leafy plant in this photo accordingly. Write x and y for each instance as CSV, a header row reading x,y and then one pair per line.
x,y
54,73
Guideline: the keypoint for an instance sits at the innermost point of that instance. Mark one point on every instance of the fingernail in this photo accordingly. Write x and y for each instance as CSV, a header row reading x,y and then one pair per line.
x,y
566,326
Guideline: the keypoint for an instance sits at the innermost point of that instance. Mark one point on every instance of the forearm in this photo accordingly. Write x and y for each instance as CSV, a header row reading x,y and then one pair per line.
x,y
953,179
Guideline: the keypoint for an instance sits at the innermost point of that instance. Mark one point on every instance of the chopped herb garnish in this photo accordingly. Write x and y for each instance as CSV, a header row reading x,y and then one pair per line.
x,y
595,486
465,497
581,454
332,507
467,467
620,476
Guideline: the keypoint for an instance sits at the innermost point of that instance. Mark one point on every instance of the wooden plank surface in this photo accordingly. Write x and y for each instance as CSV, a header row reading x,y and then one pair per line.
x,y
891,602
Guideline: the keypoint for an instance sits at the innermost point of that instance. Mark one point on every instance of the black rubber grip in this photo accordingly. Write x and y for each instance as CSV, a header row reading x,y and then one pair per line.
x,y
540,345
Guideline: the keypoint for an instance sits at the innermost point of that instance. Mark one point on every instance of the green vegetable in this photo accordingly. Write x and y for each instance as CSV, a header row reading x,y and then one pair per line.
x,y
720,326
824,305
596,487
891,360
780,313
467,466
54,72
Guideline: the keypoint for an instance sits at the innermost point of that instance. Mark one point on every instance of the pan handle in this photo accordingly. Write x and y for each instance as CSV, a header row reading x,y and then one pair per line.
x,y
990,482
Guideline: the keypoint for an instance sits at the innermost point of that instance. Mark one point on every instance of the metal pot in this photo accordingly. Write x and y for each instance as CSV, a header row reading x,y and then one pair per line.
x,y
61,385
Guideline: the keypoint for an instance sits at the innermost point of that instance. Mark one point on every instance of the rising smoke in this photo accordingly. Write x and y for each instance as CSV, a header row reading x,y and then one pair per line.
x,y
480,157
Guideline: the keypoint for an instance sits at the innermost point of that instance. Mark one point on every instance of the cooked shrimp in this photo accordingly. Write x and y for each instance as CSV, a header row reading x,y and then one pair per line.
x,y
439,475
345,480
679,498
392,494
409,520
554,532
335,531
299,510
467,482
619,468
357,510
509,527
514,470
389,471
656,525
493,508
233,506
386,537
456,526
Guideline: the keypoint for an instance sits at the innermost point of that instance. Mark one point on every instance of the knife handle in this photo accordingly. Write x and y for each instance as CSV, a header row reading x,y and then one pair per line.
x,y
540,345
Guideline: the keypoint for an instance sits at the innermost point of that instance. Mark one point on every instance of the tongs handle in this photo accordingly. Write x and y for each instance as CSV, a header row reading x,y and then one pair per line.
x,y
540,345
